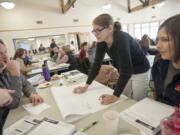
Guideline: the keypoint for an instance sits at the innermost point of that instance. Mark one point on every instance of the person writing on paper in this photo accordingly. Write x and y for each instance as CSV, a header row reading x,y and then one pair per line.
x,y
126,54
166,68
12,79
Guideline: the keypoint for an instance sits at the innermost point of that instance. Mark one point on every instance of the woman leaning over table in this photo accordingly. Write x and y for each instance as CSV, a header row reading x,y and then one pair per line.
x,y
127,57
166,68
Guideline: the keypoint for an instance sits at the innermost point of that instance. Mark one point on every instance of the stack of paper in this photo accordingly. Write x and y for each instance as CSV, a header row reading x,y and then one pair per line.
x,y
71,77
146,115
30,125
21,127
75,106
37,79
46,128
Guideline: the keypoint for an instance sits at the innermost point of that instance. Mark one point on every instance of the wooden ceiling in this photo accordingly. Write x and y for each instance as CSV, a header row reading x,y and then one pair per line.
x,y
67,4
144,4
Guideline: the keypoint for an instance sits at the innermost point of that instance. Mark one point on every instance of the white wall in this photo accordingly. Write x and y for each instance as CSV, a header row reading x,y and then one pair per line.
x,y
21,21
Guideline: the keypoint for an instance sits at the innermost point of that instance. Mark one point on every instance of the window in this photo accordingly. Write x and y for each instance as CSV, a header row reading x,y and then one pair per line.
x,y
125,27
150,29
153,29
138,31
144,29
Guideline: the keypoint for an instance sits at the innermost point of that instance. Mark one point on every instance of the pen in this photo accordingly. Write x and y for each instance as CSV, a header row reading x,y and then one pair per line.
x,y
145,124
89,126
18,130
29,122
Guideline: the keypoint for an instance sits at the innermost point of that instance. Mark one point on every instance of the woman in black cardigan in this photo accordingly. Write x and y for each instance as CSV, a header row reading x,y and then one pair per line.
x,y
124,51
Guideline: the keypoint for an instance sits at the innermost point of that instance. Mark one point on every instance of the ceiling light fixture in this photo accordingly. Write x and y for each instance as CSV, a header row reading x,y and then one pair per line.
x,y
106,6
7,4
160,4
31,39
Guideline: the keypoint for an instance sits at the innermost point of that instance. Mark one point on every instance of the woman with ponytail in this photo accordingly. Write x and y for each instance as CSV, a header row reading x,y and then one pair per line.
x,y
127,57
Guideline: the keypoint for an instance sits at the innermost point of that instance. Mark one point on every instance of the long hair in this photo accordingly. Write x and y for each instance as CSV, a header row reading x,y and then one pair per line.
x,y
172,28
1,42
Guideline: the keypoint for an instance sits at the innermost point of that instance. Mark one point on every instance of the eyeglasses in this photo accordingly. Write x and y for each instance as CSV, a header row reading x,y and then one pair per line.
x,y
97,31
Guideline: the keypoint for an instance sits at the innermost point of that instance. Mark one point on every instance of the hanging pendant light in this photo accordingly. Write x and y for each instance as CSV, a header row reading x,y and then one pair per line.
x,y
7,4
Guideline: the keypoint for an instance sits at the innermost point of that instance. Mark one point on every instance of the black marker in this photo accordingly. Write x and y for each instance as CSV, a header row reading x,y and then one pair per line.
x,y
89,126
29,122
145,124
18,130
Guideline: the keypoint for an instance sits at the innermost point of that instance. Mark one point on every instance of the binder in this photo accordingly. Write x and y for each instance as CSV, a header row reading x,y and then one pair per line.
x,y
146,115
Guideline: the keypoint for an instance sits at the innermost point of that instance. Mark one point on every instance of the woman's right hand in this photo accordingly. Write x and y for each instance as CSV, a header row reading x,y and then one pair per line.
x,y
80,89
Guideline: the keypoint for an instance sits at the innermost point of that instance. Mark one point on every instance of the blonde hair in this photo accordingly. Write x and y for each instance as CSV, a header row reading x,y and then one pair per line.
x,y
66,49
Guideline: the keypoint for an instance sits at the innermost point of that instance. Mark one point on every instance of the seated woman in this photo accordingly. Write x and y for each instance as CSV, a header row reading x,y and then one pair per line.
x,y
27,59
166,69
145,43
55,53
62,56
83,52
19,56
42,48
65,56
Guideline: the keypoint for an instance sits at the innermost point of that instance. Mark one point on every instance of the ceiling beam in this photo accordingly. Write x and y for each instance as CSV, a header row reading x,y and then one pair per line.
x,y
129,6
147,3
66,6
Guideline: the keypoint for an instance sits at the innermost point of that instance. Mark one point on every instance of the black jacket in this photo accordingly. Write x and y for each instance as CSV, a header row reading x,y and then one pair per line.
x,y
127,57
170,95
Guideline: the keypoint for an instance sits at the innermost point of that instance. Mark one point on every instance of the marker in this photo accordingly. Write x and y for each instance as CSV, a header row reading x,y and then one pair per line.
x,y
89,126
29,122
145,124
18,130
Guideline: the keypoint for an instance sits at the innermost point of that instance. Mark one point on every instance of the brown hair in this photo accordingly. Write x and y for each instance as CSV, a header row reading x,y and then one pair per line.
x,y
145,41
19,53
1,42
117,26
172,28
83,44
103,20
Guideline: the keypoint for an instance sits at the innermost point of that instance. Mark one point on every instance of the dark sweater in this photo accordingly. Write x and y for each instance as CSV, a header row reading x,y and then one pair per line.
x,y
170,94
127,57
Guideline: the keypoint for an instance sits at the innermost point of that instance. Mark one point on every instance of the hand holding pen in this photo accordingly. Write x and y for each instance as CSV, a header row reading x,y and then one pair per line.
x,y
106,99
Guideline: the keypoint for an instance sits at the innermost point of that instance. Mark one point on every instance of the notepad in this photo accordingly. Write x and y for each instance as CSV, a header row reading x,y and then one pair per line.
x,y
147,114
37,79
46,128
30,125
21,126
75,106
36,109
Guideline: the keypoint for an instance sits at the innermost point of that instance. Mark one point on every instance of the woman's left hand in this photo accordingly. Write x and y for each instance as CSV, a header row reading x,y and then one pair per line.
x,y
106,99
35,99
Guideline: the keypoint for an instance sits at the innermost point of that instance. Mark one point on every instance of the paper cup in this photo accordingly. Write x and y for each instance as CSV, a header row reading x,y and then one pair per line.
x,y
111,121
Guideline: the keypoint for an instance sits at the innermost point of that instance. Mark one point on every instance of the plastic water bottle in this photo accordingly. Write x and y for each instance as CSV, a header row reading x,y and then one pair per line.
x,y
45,70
